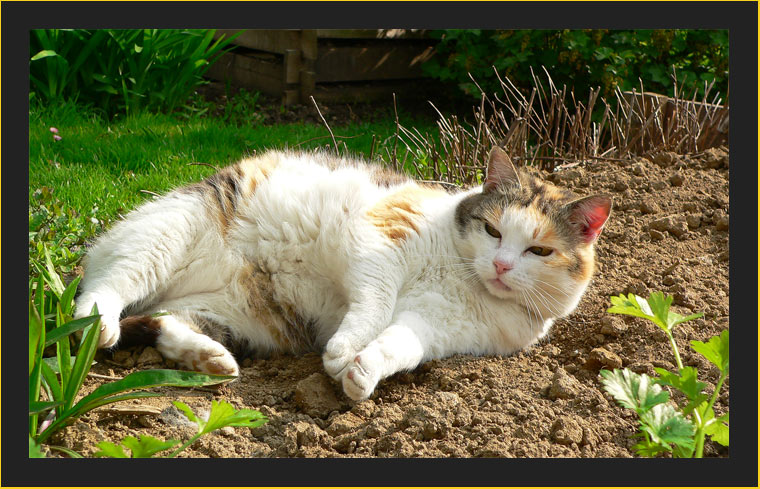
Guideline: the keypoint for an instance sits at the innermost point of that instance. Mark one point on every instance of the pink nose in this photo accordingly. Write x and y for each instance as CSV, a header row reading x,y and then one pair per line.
x,y
502,266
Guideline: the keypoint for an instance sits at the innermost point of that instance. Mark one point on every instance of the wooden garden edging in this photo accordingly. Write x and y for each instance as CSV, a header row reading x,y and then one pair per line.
x,y
327,64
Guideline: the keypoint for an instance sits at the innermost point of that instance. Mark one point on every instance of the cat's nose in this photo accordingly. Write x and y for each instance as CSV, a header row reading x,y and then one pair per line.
x,y
501,266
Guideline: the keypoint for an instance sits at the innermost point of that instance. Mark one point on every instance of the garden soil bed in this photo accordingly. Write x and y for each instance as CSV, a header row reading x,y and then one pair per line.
x,y
669,231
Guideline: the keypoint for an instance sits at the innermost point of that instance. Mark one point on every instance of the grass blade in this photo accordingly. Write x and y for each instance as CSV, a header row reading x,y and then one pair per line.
x,y
68,328
85,356
67,298
40,407
63,349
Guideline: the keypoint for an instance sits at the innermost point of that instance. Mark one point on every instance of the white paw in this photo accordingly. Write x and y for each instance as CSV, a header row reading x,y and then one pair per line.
x,y
212,358
361,378
339,353
109,331
194,351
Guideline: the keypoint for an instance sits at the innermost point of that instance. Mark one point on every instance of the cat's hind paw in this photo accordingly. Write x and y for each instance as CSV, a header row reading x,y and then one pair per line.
x,y
361,378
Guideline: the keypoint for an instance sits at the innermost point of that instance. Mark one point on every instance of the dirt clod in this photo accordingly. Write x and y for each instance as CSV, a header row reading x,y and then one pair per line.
x,y
315,395
600,357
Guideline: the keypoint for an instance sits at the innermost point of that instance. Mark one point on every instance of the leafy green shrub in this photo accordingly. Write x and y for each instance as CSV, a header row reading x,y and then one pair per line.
x,y
121,70
55,382
583,58
663,428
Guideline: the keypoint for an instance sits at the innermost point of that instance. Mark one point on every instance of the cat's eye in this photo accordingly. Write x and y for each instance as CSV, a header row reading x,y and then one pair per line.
x,y
540,250
493,231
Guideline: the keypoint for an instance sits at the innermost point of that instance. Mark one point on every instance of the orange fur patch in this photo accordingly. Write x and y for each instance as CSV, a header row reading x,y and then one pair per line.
x,y
585,270
396,215
255,171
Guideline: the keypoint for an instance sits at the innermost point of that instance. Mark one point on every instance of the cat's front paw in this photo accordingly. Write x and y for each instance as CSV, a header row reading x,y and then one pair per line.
x,y
362,377
339,353
109,331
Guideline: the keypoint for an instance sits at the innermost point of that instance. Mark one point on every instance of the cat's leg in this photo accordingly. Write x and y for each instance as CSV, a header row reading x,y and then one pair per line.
x,y
401,346
137,257
177,337
369,312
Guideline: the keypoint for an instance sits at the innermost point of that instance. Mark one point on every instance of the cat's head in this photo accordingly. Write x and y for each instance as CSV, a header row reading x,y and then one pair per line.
x,y
529,241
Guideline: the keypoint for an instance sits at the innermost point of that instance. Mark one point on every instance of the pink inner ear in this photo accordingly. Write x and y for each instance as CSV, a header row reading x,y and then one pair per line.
x,y
594,217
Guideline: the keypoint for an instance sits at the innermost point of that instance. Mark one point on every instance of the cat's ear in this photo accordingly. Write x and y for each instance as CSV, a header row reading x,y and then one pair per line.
x,y
501,171
589,214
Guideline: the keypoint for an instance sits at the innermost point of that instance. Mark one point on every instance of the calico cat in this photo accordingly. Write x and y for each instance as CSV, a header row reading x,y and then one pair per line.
x,y
298,252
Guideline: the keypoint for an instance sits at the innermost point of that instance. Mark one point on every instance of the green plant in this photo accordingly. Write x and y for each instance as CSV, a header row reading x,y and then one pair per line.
x,y
663,428
583,58
121,70
59,230
60,378
222,414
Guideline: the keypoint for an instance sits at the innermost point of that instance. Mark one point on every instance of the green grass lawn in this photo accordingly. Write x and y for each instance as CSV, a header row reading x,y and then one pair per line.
x,y
107,164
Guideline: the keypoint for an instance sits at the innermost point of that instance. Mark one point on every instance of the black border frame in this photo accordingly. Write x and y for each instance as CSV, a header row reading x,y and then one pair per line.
x,y
740,469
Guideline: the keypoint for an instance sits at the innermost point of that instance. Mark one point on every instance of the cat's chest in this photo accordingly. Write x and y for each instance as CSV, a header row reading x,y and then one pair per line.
x,y
467,317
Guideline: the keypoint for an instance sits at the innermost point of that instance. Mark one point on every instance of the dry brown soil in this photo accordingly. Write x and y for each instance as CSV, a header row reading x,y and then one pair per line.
x,y
669,232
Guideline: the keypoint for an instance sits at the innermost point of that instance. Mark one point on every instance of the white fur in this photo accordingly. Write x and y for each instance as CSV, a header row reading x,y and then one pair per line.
x,y
378,307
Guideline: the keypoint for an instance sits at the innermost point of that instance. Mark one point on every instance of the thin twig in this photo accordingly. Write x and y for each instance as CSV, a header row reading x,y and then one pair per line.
x,y
335,143
203,164
106,377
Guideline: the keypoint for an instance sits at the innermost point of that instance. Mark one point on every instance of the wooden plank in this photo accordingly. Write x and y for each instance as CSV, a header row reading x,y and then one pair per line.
x,y
292,64
308,83
309,44
383,62
372,33
291,97
249,72
273,41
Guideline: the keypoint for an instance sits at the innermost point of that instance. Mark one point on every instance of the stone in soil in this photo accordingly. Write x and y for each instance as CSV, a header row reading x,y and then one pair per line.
x,y
315,395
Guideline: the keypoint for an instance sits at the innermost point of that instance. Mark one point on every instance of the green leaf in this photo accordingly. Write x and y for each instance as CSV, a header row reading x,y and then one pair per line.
x,y
45,53
108,449
35,450
648,448
224,414
67,298
715,350
633,391
686,381
68,328
84,359
659,304
634,305
665,425
35,331
656,308
52,362
146,379
67,451
38,407
718,430
51,275
190,414
147,446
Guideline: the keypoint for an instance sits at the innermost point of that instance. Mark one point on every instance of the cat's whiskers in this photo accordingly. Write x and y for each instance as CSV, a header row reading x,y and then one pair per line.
x,y
531,306
544,297
543,300
552,286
